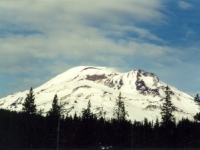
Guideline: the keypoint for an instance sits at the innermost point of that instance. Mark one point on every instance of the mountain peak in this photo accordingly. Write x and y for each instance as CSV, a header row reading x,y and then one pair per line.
x,y
142,93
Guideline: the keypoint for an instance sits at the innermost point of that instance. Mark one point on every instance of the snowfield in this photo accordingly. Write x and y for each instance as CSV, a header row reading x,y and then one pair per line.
x,y
142,93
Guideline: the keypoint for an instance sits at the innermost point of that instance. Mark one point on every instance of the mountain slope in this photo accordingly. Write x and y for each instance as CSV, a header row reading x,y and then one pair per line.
x,y
142,93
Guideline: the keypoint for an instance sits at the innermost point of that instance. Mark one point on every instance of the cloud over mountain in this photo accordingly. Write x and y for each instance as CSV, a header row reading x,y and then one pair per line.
x,y
40,39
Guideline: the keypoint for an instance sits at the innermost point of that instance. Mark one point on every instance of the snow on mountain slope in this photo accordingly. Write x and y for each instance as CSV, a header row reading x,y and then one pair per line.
x,y
142,93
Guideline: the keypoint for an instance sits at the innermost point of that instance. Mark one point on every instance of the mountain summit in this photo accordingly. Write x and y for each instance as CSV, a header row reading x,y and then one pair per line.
x,y
142,93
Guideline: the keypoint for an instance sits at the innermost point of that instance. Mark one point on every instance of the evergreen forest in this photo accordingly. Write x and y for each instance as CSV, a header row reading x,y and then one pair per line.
x,y
29,129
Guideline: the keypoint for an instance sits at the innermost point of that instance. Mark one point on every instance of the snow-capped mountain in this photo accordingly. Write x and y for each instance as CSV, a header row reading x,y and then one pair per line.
x,y
142,93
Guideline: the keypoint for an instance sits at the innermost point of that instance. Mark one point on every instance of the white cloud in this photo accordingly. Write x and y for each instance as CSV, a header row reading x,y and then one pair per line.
x,y
52,36
70,30
184,5
123,30
190,33
66,23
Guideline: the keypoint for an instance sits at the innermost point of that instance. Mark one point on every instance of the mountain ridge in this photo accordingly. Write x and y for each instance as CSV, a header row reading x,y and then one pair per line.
x,y
142,93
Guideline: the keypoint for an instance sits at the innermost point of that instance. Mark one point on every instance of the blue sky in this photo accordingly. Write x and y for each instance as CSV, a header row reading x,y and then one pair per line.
x,y
41,39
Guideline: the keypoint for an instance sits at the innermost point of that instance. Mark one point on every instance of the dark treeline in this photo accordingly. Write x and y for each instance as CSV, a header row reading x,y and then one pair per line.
x,y
27,129
19,130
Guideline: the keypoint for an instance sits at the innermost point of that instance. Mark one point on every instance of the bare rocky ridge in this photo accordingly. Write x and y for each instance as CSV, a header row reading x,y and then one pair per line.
x,y
142,93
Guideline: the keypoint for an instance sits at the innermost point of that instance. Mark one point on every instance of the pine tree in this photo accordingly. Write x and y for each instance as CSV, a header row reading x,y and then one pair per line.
x,y
156,134
167,109
119,109
168,125
29,103
54,116
55,110
197,100
86,113
88,123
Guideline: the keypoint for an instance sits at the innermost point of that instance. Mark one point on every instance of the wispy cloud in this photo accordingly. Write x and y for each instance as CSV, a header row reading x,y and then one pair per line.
x,y
40,39
184,5
70,29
